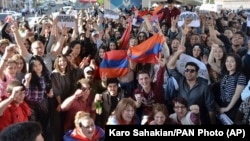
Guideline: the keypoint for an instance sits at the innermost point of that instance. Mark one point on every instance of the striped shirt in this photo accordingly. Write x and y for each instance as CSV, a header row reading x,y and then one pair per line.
x,y
228,85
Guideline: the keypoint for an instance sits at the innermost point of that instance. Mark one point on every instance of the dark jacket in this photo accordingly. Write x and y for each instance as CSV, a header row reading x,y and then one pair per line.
x,y
200,94
108,107
168,14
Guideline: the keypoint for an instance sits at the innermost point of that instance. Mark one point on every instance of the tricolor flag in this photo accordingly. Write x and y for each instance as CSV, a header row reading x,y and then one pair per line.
x,y
114,64
147,50
124,43
154,15
143,13
157,13
156,10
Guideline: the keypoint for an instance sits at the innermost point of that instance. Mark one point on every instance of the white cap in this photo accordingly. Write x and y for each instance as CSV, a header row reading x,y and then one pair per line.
x,y
94,33
87,69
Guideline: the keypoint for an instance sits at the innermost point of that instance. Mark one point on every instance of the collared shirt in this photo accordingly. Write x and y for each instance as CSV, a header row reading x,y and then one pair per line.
x,y
14,114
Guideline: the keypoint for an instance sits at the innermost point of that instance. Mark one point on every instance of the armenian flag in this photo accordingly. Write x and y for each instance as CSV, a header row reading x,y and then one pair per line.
x,y
147,50
114,64
124,44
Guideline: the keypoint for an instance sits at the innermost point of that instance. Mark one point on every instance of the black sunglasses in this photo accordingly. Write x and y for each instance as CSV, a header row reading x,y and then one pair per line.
x,y
190,70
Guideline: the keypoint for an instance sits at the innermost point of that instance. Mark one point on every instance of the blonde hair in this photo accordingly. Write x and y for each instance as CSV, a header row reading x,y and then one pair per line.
x,y
4,41
19,56
56,64
83,81
10,61
81,115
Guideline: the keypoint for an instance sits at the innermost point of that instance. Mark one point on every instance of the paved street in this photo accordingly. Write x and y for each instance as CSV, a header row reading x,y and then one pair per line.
x,y
59,4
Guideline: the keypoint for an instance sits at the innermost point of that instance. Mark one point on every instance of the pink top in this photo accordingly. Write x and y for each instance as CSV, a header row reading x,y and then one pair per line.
x,y
3,84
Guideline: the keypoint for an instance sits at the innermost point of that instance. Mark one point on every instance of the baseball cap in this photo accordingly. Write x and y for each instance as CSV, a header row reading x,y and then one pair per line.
x,y
94,33
88,69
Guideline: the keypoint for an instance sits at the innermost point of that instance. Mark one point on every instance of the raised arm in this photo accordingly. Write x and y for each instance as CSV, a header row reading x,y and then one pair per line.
x,y
20,42
211,62
75,30
185,31
165,48
52,37
59,44
213,34
15,94
68,101
172,61
9,51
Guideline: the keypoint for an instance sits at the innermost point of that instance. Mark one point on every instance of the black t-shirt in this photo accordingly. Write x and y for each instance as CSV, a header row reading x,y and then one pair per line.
x,y
114,102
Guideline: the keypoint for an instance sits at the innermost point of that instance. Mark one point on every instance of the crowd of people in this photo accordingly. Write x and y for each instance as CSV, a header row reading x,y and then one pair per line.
x,y
51,75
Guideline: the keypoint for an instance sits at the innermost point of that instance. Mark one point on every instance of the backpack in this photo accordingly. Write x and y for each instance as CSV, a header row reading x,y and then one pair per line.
x,y
171,89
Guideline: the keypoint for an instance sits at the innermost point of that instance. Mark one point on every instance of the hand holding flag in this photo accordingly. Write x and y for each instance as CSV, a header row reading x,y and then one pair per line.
x,y
147,50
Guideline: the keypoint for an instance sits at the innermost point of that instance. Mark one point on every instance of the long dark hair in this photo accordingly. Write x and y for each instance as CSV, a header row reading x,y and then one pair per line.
x,y
97,57
34,82
238,62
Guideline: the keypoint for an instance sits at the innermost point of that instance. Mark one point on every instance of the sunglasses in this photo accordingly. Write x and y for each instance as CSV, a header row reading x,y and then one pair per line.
x,y
85,88
189,70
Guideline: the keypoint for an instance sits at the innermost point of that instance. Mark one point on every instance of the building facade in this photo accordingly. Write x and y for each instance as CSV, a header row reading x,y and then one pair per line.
x,y
234,4
111,4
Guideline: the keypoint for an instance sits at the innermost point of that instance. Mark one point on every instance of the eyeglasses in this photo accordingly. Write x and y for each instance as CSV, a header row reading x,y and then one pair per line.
x,y
85,88
179,107
190,70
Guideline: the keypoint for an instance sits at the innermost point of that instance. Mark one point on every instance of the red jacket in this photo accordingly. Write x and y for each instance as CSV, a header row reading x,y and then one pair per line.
x,y
168,14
